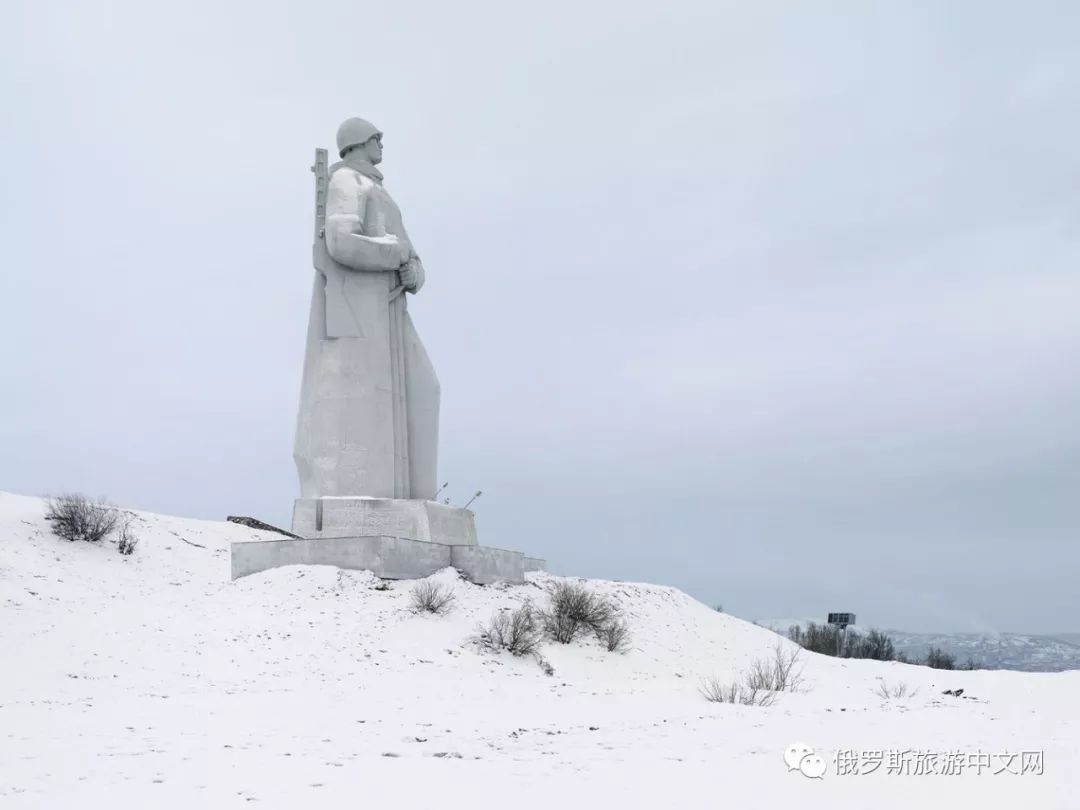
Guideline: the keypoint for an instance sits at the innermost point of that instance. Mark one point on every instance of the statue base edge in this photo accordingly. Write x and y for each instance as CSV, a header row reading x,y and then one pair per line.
x,y
386,557
424,521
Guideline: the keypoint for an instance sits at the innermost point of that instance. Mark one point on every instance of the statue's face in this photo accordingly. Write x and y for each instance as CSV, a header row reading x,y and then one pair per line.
x,y
374,149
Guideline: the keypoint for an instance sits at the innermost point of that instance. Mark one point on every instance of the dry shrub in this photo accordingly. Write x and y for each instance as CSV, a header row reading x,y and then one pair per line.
x,y
432,597
76,517
126,539
937,658
762,683
778,674
519,631
574,610
716,691
615,636
900,691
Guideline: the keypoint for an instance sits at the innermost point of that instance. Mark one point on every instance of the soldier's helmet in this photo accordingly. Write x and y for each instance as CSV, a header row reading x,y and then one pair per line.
x,y
354,132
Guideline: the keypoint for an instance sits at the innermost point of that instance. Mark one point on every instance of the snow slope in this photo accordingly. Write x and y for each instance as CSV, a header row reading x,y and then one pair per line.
x,y
153,681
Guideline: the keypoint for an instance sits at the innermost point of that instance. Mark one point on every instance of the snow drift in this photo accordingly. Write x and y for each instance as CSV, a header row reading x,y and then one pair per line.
x,y
151,680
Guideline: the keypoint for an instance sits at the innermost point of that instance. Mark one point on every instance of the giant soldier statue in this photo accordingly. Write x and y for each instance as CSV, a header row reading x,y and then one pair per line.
x,y
367,433
369,403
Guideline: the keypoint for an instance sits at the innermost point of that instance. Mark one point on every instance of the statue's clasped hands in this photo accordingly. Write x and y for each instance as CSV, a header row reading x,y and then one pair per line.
x,y
411,275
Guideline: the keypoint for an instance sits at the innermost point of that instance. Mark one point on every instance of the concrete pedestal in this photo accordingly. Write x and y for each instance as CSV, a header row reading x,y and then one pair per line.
x,y
394,538
425,521
386,557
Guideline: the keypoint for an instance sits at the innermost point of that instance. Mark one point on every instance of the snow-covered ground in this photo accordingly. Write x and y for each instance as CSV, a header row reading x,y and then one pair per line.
x,y
153,681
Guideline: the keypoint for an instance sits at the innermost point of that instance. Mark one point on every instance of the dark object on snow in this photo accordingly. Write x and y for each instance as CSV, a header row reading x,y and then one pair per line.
x,y
252,523
953,692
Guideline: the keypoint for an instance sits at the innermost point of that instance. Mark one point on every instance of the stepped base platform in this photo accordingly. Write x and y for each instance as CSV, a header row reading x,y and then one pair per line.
x,y
392,538
428,521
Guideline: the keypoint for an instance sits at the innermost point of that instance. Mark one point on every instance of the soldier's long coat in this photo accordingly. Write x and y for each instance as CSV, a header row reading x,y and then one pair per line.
x,y
369,402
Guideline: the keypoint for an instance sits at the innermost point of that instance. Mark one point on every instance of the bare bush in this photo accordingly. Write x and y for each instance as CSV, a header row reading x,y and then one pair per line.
x,y
76,517
518,631
781,673
126,539
877,646
900,691
937,658
715,691
576,609
762,683
615,635
432,597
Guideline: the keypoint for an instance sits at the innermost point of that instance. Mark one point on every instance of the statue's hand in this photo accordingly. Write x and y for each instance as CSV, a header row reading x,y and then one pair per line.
x,y
412,275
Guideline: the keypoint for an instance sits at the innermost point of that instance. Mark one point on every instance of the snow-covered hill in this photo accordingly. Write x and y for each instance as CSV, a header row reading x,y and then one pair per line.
x,y
1025,652
1020,651
153,681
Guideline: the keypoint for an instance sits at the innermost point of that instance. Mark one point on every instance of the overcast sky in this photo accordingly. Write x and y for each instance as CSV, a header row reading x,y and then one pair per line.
x,y
776,303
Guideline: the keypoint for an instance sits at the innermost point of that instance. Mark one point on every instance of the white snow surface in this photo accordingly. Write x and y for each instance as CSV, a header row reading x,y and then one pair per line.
x,y
152,681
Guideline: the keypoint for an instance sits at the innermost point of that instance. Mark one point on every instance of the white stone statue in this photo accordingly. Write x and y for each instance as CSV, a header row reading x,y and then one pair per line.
x,y
369,405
